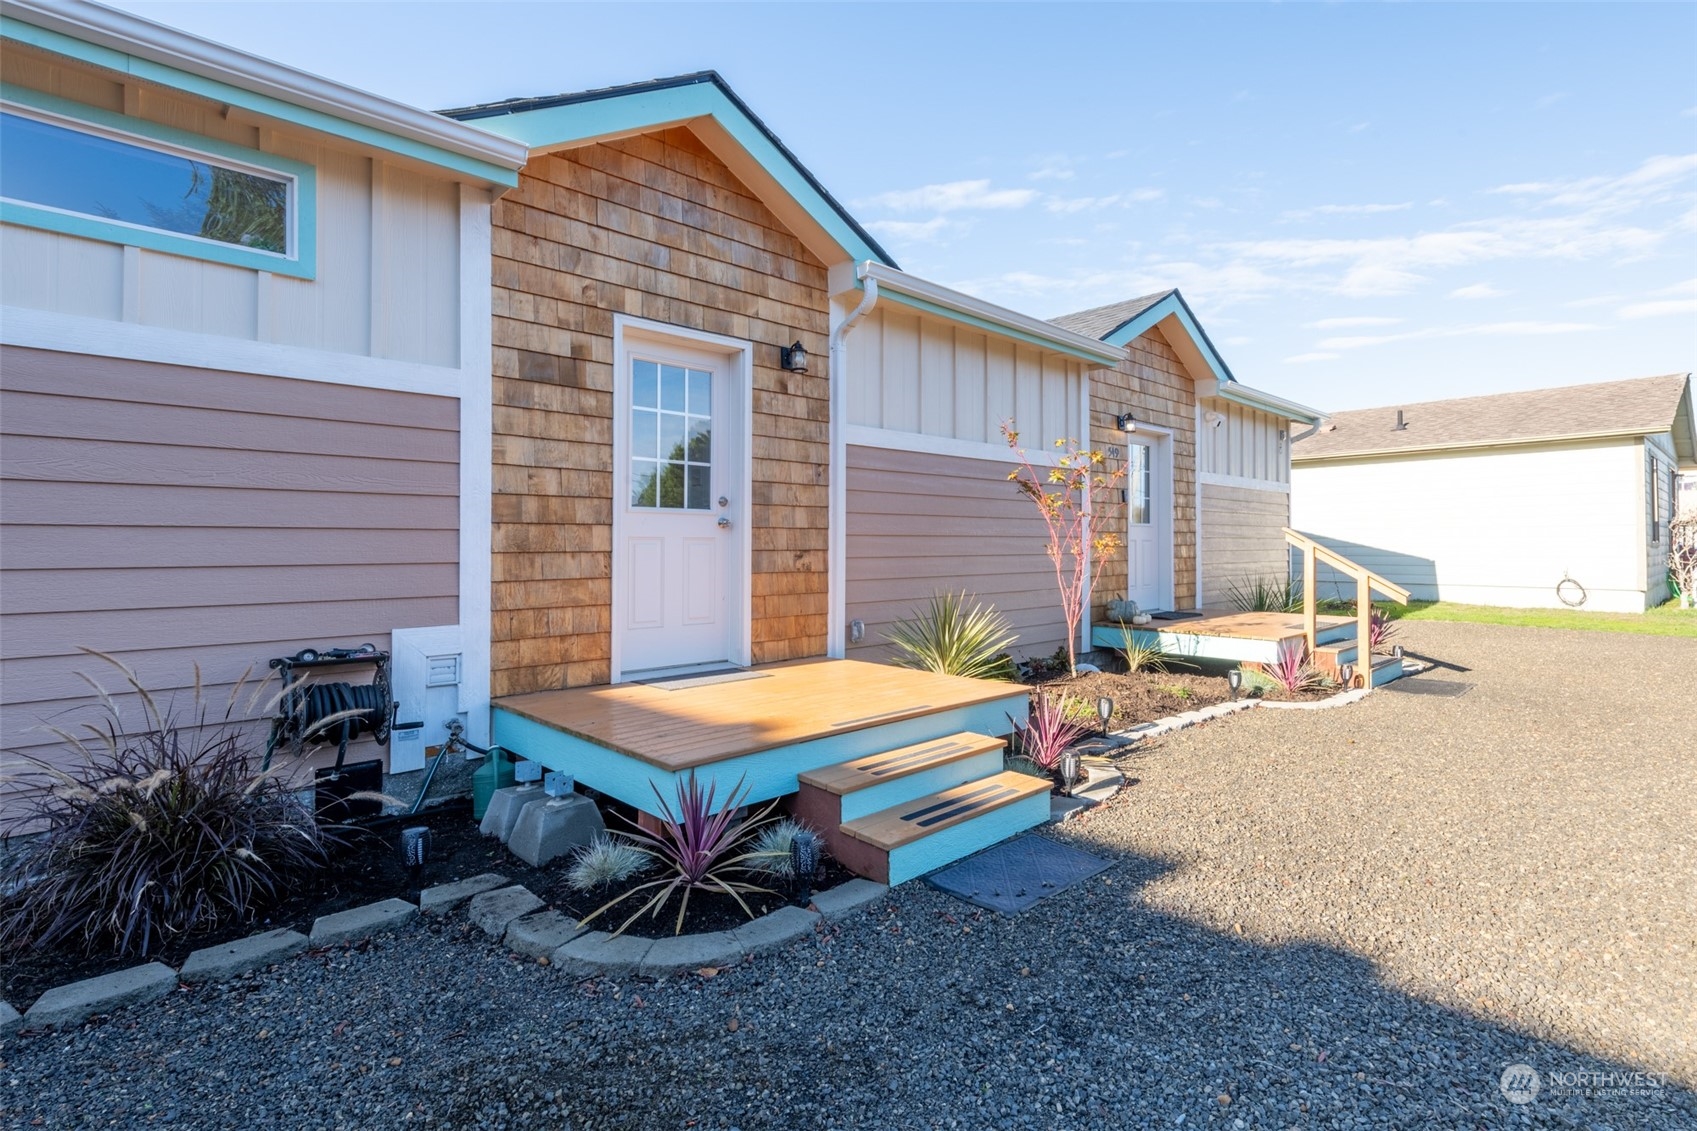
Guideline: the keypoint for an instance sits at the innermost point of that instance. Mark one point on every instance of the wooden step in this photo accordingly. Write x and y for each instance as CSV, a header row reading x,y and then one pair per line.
x,y
924,816
903,841
875,769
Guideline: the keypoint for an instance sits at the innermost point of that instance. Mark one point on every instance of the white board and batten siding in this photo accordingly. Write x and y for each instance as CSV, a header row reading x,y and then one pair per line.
x,y
216,465
929,506
1489,527
388,243
1244,474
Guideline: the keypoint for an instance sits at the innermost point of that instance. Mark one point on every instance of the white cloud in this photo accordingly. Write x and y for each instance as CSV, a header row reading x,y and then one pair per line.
x,y
1659,308
1477,290
1689,112
1237,340
1549,100
1652,180
1318,355
913,231
1357,320
1486,329
1068,205
1359,126
1345,210
1052,169
952,197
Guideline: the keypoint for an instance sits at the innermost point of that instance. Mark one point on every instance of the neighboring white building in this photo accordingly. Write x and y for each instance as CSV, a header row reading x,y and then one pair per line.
x,y
1531,499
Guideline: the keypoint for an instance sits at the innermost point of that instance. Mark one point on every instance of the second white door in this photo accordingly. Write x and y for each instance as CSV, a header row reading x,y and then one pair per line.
x,y
1148,514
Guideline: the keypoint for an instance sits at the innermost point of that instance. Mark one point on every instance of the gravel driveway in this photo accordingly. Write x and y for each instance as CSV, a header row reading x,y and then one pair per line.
x,y
1349,918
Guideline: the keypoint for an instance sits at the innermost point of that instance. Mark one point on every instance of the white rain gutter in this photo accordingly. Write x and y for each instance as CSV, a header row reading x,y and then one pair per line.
x,y
836,643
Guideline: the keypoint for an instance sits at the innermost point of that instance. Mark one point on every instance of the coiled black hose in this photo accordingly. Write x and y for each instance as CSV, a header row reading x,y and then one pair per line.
x,y
351,710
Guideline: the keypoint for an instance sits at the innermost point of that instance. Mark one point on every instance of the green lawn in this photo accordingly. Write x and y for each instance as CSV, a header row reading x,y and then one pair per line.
x,y
1665,620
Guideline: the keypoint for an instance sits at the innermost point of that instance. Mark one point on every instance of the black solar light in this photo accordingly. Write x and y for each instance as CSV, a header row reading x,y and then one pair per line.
x,y
1104,711
793,358
1069,771
1234,680
804,862
1396,650
1347,671
415,848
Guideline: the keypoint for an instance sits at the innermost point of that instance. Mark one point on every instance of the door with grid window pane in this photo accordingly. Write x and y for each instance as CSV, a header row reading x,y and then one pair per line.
x,y
677,552
1148,561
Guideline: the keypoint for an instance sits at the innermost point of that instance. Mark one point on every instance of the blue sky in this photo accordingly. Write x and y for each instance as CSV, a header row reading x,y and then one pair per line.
x,y
1364,204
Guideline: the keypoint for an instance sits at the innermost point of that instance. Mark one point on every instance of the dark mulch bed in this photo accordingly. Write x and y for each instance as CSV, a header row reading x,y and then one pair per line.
x,y
371,868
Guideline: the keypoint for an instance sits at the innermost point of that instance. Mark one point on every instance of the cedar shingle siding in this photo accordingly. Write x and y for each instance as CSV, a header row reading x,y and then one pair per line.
x,y
1153,385
654,227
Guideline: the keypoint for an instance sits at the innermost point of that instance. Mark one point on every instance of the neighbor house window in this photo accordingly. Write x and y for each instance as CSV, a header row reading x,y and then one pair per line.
x,y
110,179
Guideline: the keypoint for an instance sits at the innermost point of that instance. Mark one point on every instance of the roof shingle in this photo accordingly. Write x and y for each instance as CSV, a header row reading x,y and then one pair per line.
x,y
1100,321
1646,405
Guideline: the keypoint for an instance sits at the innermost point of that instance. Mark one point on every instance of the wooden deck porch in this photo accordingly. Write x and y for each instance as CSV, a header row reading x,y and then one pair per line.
x,y
1224,634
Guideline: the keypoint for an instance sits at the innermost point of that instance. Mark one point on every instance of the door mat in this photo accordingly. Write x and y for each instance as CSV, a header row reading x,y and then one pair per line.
x,y
1440,688
1014,875
707,680
1186,615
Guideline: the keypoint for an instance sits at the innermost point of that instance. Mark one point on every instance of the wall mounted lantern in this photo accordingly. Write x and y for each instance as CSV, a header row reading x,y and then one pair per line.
x,y
1126,422
793,358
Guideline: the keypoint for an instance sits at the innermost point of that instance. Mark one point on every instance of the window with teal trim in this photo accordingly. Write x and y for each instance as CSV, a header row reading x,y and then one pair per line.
x,y
86,180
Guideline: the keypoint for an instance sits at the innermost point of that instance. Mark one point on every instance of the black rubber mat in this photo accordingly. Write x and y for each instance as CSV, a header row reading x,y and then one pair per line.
x,y
1441,688
1014,875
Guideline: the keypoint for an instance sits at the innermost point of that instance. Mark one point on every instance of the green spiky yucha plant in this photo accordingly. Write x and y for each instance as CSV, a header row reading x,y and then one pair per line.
x,y
149,832
697,847
1269,594
955,634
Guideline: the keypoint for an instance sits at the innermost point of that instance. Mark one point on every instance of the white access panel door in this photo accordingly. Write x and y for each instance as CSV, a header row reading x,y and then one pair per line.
x,y
679,560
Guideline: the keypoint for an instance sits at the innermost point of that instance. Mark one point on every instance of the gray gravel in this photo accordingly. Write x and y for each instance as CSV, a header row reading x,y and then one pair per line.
x,y
1267,952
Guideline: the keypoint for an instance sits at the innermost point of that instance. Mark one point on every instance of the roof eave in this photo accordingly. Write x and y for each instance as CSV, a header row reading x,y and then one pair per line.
x,y
1296,455
1239,393
567,121
938,299
155,53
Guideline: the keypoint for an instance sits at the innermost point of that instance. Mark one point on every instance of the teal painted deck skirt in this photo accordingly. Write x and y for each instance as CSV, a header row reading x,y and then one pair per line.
x,y
927,854
768,774
1190,645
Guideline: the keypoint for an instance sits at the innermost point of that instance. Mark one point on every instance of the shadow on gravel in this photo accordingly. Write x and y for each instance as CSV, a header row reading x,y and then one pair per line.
x,y
1088,1011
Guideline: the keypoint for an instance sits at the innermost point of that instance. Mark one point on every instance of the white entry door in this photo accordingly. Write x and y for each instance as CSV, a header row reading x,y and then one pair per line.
x,y
677,551
1148,521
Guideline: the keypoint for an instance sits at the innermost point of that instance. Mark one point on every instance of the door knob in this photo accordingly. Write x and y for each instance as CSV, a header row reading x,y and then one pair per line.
x,y
724,523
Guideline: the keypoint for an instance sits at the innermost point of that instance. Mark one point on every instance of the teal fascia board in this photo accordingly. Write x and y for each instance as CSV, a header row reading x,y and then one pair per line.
x,y
645,110
885,291
302,265
1173,305
60,44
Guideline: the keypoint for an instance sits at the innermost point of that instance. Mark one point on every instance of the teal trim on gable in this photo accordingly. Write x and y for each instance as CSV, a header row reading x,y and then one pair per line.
x,y
59,44
302,265
885,291
1173,305
1287,410
587,119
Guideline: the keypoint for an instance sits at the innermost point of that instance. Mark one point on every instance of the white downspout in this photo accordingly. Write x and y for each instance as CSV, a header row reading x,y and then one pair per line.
x,y
836,644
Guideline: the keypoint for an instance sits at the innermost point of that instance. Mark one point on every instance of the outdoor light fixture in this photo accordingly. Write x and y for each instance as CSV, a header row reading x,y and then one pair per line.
x,y
1126,422
1234,680
1347,672
1069,771
1104,711
793,358
415,849
804,862
1396,650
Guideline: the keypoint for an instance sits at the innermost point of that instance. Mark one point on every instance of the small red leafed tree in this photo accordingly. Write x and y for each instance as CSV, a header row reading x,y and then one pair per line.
x,y
1065,494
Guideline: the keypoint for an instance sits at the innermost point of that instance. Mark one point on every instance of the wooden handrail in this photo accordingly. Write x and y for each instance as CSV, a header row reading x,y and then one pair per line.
x,y
1365,582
